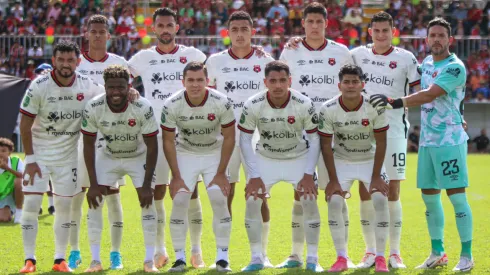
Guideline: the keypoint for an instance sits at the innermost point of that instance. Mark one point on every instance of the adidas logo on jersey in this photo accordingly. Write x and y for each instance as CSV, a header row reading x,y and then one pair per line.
x,y
378,80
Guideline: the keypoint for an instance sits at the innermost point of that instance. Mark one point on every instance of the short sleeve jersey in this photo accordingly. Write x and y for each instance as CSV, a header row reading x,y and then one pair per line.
x,y
281,128
315,72
352,130
162,72
95,68
122,130
57,110
442,119
390,74
199,126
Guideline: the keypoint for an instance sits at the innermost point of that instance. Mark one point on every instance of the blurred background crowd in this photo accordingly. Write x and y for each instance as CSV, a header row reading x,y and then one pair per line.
x,y
23,25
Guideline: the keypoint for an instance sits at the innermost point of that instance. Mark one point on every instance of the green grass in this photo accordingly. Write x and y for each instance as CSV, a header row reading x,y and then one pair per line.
x,y
415,239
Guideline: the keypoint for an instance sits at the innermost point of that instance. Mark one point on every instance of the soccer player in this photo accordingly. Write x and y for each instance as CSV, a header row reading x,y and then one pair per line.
x,y
93,64
314,68
11,170
359,145
206,126
443,142
240,73
281,115
50,127
130,131
160,68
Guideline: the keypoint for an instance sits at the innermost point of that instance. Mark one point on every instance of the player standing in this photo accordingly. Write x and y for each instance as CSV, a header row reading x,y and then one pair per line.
x,y
281,115
359,145
206,124
50,126
160,68
240,73
314,64
130,131
443,143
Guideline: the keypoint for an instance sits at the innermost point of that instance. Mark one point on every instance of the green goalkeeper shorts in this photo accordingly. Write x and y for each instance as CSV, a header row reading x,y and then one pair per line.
x,y
442,167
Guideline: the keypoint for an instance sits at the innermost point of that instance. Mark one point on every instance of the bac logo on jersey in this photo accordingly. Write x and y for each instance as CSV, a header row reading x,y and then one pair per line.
x,y
132,122
291,120
331,61
392,64
257,68
183,59
365,122
80,96
211,117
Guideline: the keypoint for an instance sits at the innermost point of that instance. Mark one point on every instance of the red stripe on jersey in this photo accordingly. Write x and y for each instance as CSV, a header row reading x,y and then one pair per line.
x,y
245,130
385,53
91,60
174,50
200,104
347,109
283,105
382,129
24,112
118,111
234,56
151,134
53,75
325,134
229,124
167,129
88,133
415,83
312,130
310,48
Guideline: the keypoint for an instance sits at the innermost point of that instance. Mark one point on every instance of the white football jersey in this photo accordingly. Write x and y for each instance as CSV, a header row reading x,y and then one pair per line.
x,y
390,74
352,131
95,68
123,130
281,129
315,73
199,126
162,73
58,115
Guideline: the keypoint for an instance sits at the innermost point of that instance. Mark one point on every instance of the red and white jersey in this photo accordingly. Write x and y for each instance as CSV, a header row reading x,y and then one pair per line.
x,y
352,131
199,126
123,130
315,73
390,74
57,110
162,73
281,128
95,68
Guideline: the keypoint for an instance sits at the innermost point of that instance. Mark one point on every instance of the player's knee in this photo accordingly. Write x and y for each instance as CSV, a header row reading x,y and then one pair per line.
x,y
181,201
254,204
336,202
380,201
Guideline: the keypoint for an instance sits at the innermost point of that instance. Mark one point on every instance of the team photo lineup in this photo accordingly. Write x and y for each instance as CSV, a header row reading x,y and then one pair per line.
x,y
320,118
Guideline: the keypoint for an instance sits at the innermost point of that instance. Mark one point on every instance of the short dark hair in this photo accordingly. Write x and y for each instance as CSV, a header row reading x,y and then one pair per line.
x,y
65,46
164,12
439,21
5,142
382,16
240,15
116,71
351,69
97,19
276,66
315,7
195,66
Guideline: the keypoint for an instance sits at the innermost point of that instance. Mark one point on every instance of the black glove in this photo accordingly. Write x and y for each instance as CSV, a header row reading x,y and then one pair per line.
x,y
382,101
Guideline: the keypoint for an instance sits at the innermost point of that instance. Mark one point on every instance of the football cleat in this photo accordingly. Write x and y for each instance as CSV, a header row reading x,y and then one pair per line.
x,y
464,264
433,261
312,265
380,263
292,261
75,259
267,263
395,261
256,264
116,260
29,266
223,266
160,260
178,266
350,264
340,265
95,266
196,261
62,267
149,267
367,261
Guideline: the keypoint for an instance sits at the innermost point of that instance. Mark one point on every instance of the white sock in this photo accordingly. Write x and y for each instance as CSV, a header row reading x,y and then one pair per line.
x,y
179,221
341,253
29,223
222,254
195,224
50,201
311,217
253,225
62,223
18,213
266,226
298,230
160,243
395,208
95,250
149,223
115,216
95,224
221,217
76,216
336,223
382,218
345,215
367,225
180,254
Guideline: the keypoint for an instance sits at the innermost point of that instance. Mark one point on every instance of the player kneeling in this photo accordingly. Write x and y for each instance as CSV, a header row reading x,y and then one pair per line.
x,y
281,115
123,124
359,145
206,125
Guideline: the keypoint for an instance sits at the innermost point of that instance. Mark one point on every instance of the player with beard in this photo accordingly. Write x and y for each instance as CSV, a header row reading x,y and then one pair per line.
x,y
50,126
443,143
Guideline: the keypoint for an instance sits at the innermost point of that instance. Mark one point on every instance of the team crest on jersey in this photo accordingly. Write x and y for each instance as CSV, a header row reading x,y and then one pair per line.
x,y
331,61
183,59
80,96
291,120
257,68
132,122
211,117
434,74
392,64
365,122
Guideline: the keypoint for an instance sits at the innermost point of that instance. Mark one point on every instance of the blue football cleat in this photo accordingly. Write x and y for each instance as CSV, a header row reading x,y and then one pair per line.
x,y
75,259
116,261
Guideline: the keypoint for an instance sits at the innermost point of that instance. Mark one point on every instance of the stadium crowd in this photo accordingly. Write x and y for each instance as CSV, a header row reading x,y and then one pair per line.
x,y
275,18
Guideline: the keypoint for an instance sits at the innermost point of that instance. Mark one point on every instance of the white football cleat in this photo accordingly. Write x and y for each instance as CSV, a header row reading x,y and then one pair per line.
x,y
178,266
367,261
395,261
464,264
350,264
267,263
433,261
223,266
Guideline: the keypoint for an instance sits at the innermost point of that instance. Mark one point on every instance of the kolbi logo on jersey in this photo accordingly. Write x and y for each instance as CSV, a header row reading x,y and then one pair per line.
x,y
331,61
392,65
305,80
55,116
156,78
378,79
183,59
352,137
277,135
191,132
231,86
120,137
257,68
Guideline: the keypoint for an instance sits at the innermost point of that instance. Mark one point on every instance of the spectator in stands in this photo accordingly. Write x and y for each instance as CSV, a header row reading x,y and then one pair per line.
x,y
17,70
55,11
35,52
480,98
461,15
17,52
11,196
354,18
3,26
438,10
221,12
277,8
481,142
420,30
260,23
392,11
474,15
413,139
30,70
68,28
17,10
127,18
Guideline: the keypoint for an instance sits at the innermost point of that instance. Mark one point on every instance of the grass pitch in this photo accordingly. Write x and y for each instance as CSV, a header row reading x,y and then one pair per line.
x,y
415,244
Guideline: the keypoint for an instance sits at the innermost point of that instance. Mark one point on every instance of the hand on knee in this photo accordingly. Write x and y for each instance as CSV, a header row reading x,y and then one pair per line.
x,y
336,203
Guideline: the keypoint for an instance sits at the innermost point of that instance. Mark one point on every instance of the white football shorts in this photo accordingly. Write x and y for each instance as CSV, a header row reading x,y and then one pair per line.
x,y
193,166
395,158
109,170
63,180
348,172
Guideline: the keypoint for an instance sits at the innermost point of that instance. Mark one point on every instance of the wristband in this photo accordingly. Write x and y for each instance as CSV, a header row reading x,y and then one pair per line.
x,y
30,159
397,103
